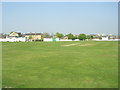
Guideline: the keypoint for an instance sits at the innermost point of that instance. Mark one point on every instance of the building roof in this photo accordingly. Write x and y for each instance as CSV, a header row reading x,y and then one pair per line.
x,y
33,34
15,34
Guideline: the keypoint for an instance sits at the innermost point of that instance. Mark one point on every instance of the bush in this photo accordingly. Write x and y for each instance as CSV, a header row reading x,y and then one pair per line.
x,y
38,40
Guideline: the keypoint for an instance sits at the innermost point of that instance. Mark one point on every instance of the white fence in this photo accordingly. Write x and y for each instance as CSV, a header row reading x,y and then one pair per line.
x,y
23,39
47,39
107,40
65,40
19,39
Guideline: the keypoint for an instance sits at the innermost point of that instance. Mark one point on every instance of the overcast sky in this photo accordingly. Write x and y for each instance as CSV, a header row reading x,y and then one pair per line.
x,y
63,17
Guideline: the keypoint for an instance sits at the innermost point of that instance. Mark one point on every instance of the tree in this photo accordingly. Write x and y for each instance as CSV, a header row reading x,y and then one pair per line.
x,y
42,37
70,36
30,37
11,32
89,37
74,37
3,35
82,36
59,35
46,35
92,36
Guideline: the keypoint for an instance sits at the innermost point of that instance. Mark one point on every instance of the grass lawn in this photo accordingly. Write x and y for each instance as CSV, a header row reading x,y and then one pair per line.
x,y
78,64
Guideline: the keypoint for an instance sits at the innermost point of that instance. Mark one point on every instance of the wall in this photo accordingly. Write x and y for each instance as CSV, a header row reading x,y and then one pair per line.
x,y
13,39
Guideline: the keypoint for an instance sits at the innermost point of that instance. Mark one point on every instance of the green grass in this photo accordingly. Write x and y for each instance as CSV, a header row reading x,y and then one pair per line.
x,y
51,65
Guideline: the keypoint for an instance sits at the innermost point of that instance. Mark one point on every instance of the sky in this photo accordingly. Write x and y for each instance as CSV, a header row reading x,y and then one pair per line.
x,y
62,17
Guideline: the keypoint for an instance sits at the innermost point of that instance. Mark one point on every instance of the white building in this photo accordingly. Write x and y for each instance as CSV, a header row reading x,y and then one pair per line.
x,y
13,39
105,38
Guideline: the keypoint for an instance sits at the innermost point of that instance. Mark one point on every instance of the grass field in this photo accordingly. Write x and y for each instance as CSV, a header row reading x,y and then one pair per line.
x,y
78,64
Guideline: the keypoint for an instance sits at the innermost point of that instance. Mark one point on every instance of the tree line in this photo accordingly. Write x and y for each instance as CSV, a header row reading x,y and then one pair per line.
x,y
73,37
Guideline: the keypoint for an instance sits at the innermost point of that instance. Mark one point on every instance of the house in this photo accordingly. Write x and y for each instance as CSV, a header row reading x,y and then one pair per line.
x,y
105,37
15,34
33,36
15,37
65,37
95,36
112,37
